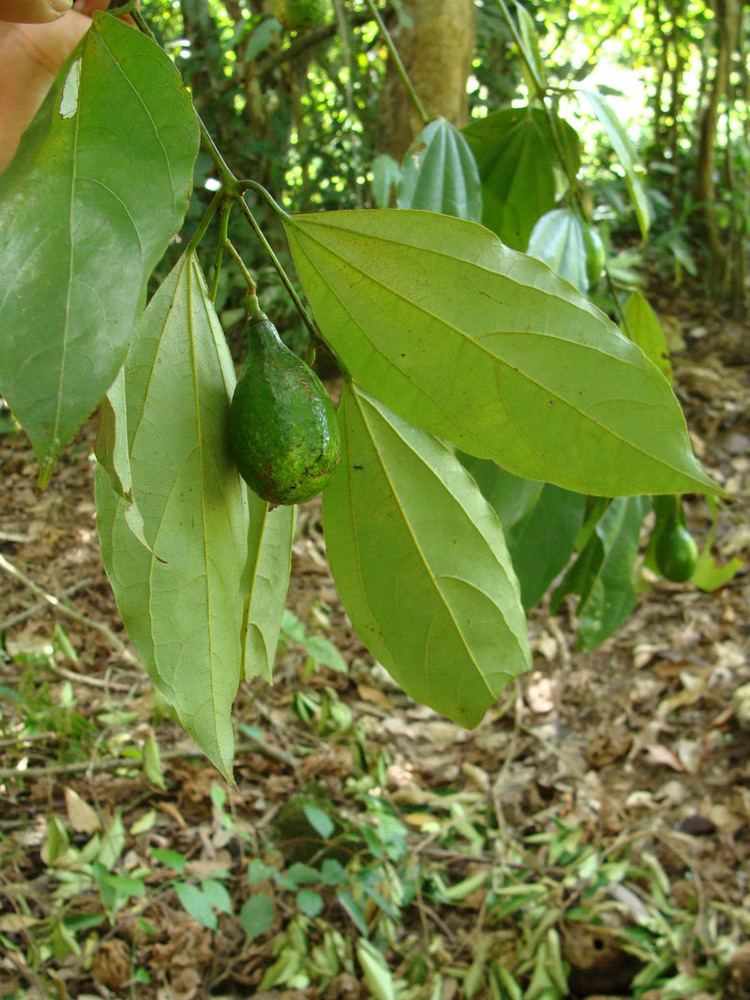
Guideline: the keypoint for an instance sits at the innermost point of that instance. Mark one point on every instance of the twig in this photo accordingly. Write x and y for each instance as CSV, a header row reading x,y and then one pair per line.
x,y
699,925
21,616
56,603
500,781
398,63
246,211
224,213
30,738
46,770
78,678
10,536
234,253
298,47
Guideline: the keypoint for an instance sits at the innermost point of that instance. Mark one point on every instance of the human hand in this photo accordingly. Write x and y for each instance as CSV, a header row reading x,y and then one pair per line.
x,y
31,55
33,11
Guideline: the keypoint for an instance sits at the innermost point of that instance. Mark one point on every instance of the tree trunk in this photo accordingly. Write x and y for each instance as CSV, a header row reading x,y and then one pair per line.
x,y
705,182
436,43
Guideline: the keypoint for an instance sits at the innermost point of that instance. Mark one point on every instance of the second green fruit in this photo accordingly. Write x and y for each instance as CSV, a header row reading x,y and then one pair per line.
x,y
675,553
283,432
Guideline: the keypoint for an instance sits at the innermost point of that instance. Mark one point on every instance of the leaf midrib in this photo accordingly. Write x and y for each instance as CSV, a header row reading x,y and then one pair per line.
x,y
603,428
431,576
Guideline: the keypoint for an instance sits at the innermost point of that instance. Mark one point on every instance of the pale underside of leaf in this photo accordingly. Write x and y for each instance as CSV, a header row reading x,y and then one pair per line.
x,y
421,564
182,601
486,347
557,239
269,563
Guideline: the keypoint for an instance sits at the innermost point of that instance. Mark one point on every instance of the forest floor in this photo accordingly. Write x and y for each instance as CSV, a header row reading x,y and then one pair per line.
x,y
591,836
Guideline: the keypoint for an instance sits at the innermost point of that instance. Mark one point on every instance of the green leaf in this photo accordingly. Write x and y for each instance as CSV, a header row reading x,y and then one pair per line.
x,y
321,650
309,902
257,915
217,895
319,821
172,859
541,523
332,872
486,347
542,541
99,186
259,872
533,64
265,35
112,843
152,763
353,909
269,563
197,904
440,174
642,325
603,573
626,154
302,874
377,974
112,452
558,240
516,152
420,562
182,601
509,495
385,177
709,575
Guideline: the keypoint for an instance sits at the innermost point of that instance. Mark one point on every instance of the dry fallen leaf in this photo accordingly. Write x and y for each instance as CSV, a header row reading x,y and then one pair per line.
x,y
663,755
81,817
540,693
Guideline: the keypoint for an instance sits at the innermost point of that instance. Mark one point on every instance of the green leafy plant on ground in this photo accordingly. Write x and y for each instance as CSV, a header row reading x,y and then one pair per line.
x,y
368,890
447,338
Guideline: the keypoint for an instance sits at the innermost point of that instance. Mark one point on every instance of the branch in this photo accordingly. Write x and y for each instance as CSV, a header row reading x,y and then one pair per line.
x,y
302,44
46,770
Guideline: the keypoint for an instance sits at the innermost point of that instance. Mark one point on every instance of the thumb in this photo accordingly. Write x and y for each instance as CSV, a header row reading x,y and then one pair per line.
x,y
33,11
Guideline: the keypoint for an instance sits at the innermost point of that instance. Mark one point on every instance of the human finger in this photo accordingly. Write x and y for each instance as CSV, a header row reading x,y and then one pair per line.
x,y
89,7
33,11
36,52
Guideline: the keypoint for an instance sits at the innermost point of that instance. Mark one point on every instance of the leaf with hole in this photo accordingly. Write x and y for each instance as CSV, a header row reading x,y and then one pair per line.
x,y
111,179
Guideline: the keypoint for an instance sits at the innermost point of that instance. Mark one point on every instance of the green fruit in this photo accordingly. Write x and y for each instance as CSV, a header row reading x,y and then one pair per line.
x,y
595,256
676,553
297,14
283,432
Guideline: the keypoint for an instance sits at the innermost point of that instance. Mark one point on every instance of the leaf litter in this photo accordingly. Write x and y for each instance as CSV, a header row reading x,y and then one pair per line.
x,y
597,822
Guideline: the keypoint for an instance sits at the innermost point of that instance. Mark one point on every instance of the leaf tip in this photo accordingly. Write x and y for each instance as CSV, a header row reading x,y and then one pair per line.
x,y
47,464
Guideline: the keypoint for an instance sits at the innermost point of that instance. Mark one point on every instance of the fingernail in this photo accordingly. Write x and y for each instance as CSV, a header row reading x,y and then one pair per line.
x,y
60,6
